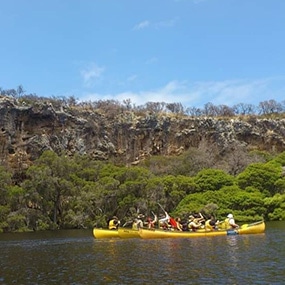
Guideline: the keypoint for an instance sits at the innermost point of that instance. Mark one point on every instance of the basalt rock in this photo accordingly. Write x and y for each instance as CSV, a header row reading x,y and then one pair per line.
x,y
28,130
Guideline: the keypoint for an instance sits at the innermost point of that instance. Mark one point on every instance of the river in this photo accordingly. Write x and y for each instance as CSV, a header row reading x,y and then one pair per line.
x,y
75,257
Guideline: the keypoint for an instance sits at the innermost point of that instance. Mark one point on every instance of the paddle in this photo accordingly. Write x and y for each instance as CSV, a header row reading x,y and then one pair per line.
x,y
249,225
163,220
155,217
161,207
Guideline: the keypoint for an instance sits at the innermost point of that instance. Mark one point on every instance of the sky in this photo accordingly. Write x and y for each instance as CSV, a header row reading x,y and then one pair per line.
x,y
191,52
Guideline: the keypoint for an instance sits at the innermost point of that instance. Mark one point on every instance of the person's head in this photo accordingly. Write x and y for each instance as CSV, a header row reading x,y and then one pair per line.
x,y
230,216
115,218
191,218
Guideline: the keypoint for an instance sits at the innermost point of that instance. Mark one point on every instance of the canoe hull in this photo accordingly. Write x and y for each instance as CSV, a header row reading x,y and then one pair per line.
x,y
255,228
128,233
124,233
99,233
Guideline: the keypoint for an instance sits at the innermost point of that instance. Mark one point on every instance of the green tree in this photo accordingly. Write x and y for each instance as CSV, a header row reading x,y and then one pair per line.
x,y
5,209
245,205
5,182
275,207
49,185
213,179
280,158
262,176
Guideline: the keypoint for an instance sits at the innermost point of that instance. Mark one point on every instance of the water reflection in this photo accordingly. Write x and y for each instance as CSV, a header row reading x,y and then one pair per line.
x,y
233,251
72,258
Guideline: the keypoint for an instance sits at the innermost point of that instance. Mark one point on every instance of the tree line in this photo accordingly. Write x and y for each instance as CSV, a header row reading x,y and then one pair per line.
x,y
61,192
113,107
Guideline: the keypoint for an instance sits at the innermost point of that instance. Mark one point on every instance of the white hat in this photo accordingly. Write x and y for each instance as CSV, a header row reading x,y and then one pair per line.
x,y
230,216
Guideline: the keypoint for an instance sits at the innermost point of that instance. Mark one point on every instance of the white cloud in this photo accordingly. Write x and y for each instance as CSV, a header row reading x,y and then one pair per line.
x,y
230,92
91,73
165,24
158,25
141,25
197,94
174,91
151,60
132,77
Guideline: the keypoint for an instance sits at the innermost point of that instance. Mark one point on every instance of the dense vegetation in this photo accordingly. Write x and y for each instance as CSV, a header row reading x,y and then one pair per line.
x,y
59,191
77,192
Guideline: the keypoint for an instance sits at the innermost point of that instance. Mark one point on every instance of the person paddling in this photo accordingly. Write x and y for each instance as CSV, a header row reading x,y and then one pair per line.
x,y
151,222
212,224
230,222
195,222
163,222
114,223
138,223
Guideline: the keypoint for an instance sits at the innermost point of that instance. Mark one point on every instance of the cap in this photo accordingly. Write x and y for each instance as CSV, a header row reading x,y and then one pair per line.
x,y
230,216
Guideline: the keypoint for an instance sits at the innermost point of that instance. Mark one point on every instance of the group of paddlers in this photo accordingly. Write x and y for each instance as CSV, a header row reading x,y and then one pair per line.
x,y
194,223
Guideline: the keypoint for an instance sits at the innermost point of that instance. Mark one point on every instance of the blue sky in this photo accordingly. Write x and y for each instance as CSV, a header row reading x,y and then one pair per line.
x,y
184,51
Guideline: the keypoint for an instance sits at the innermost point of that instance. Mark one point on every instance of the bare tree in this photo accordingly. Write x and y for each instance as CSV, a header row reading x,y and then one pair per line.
x,y
175,108
224,110
155,107
244,109
269,107
237,158
193,111
211,110
20,91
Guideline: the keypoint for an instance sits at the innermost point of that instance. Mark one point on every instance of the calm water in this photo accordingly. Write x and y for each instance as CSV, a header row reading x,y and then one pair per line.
x,y
75,257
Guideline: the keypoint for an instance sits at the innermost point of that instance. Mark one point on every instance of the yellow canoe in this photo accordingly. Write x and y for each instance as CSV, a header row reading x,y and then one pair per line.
x,y
105,233
128,233
120,233
254,228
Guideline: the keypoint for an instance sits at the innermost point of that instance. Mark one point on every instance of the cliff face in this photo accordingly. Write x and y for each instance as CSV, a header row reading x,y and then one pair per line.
x,y
27,130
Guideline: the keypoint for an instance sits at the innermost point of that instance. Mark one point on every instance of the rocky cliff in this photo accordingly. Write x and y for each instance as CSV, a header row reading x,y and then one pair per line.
x,y
26,130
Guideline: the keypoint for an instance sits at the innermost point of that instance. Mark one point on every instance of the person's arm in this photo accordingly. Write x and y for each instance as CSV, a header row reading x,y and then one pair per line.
x,y
165,219
233,223
201,218
155,218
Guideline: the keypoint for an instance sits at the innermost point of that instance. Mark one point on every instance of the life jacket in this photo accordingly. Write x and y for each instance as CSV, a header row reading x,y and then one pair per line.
x,y
208,227
227,224
173,223
137,224
232,223
112,225
195,227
